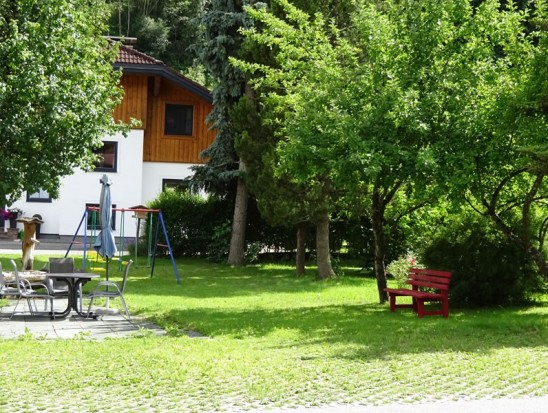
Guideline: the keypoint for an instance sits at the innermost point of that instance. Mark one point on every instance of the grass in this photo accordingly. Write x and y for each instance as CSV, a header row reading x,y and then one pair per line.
x,y
277,340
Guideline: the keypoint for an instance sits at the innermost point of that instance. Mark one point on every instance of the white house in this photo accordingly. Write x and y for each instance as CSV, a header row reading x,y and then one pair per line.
x,y
172,110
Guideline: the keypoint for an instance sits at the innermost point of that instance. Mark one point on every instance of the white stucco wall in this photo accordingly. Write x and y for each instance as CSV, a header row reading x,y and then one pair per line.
x,y
63,215
135,183
155,172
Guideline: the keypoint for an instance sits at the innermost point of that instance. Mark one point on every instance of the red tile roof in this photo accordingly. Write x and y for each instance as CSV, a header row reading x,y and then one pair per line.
x,y
128,55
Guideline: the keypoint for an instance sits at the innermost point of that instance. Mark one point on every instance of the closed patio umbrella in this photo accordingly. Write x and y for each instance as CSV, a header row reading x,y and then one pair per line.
x,y
105,244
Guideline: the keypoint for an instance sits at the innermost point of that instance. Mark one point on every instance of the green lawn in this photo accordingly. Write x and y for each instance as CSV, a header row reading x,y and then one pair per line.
x,y
272,340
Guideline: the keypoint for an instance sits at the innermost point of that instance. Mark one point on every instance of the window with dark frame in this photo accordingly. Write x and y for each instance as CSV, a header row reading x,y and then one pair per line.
x,y
94,218
179,119
108,157
39,196
176,184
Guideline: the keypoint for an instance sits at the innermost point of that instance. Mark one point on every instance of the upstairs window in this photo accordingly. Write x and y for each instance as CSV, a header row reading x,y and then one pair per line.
x,y
39,196
108,157
179,120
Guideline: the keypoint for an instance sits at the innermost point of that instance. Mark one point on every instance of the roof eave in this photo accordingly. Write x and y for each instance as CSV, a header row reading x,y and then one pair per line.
x,y
168,74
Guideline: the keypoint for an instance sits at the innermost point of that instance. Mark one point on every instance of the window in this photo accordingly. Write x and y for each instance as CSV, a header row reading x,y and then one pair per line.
x,y
39,196
94,219
108,154
177,184
179,119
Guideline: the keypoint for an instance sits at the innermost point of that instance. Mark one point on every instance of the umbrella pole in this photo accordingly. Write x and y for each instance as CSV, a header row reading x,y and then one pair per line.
x,y
107,299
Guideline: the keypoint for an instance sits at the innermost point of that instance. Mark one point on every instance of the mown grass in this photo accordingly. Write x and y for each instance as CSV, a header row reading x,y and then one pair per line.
x,y
277,340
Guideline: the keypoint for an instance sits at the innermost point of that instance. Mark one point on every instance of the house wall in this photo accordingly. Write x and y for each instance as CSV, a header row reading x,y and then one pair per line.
x,y
155,172
168,148
63,215
145,158
134,102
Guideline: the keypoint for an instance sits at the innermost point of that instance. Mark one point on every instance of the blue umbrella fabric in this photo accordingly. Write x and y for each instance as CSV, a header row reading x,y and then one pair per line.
x,y
105,245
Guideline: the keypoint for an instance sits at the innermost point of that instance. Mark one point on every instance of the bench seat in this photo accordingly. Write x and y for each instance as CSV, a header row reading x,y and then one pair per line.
x,y
421,279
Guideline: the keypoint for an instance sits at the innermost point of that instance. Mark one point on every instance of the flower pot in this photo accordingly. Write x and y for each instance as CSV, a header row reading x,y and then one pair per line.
x,y
13,222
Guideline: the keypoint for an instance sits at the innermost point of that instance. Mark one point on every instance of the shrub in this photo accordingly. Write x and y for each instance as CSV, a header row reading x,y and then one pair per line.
x,y
219,245
190,220
400,268
487,269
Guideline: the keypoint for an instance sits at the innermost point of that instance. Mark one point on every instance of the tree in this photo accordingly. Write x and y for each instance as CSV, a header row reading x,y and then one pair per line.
x,y
165,29
222,21
280,200
57,91
503,147
370,116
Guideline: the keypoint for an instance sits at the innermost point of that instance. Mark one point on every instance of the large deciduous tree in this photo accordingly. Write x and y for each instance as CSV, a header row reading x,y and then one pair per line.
x,y
375,116
503,144
57,91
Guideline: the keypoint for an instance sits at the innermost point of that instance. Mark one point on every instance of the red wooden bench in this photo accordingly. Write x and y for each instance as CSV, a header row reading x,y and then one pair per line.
x,y
426,286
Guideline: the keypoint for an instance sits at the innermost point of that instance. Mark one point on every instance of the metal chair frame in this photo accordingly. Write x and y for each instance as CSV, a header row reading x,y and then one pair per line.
x,y
102,290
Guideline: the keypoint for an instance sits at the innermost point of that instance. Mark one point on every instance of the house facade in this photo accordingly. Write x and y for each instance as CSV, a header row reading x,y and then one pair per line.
x,y
172,132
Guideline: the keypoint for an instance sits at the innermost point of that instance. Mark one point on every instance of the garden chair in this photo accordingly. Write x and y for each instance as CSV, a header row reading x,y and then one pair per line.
x,y
110,289
28,292
6,290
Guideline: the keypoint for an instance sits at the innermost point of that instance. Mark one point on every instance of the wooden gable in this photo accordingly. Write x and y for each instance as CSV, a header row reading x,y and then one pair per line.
x,y
149,86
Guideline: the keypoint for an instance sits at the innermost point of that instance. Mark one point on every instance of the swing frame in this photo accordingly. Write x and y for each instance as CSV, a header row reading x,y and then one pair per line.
x,y
159,221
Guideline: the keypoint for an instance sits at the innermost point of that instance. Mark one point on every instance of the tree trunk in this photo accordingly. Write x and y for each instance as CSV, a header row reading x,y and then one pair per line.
x,y
325,270
380,244
301,248
239,221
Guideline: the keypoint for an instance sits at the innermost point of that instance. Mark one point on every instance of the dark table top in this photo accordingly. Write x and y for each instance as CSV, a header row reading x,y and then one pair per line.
x,y
73,275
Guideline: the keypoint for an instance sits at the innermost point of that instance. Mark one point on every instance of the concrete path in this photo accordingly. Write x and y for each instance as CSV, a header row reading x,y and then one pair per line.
x,y
525,405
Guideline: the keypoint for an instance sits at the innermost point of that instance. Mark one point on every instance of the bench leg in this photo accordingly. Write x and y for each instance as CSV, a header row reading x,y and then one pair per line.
x,y
445,308
392,299
419,307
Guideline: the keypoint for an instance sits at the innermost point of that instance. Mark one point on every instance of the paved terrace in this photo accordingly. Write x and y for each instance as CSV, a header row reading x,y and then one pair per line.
x,y
110,325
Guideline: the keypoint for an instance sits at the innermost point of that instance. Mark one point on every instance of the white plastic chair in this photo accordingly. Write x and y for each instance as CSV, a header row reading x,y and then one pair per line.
x,y
110,289
27,291
6,290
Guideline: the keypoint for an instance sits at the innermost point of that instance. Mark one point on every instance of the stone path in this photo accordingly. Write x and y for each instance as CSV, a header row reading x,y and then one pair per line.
x,y
110,325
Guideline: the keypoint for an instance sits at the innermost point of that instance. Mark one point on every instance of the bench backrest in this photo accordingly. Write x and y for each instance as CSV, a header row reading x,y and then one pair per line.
x,y
425,278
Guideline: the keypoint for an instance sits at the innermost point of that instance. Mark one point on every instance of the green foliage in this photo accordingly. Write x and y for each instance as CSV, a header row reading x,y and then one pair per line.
x,y
219,245
165,29
57,91
200,226
190,220
252,252
399,268
487,269
416,99
221,21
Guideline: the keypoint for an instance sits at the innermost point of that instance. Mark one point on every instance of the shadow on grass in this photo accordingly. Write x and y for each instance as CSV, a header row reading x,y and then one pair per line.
x,y
373,331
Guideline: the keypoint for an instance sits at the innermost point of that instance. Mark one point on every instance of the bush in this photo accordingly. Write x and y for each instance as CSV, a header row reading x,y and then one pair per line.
x,y
399,269
190,220
219,245
487,269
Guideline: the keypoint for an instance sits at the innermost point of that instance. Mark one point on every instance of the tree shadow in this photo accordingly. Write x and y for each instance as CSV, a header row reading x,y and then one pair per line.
x,y
372,331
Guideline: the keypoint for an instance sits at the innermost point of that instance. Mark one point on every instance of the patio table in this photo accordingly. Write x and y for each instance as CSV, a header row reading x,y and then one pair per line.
x,y
74,281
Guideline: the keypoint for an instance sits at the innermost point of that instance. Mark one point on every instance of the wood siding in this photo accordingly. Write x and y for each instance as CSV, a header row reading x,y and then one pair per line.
x,y
169,148
134,102
145,99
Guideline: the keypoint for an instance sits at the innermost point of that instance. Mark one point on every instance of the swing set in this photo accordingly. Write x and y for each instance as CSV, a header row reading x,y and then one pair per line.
x,y
140,214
